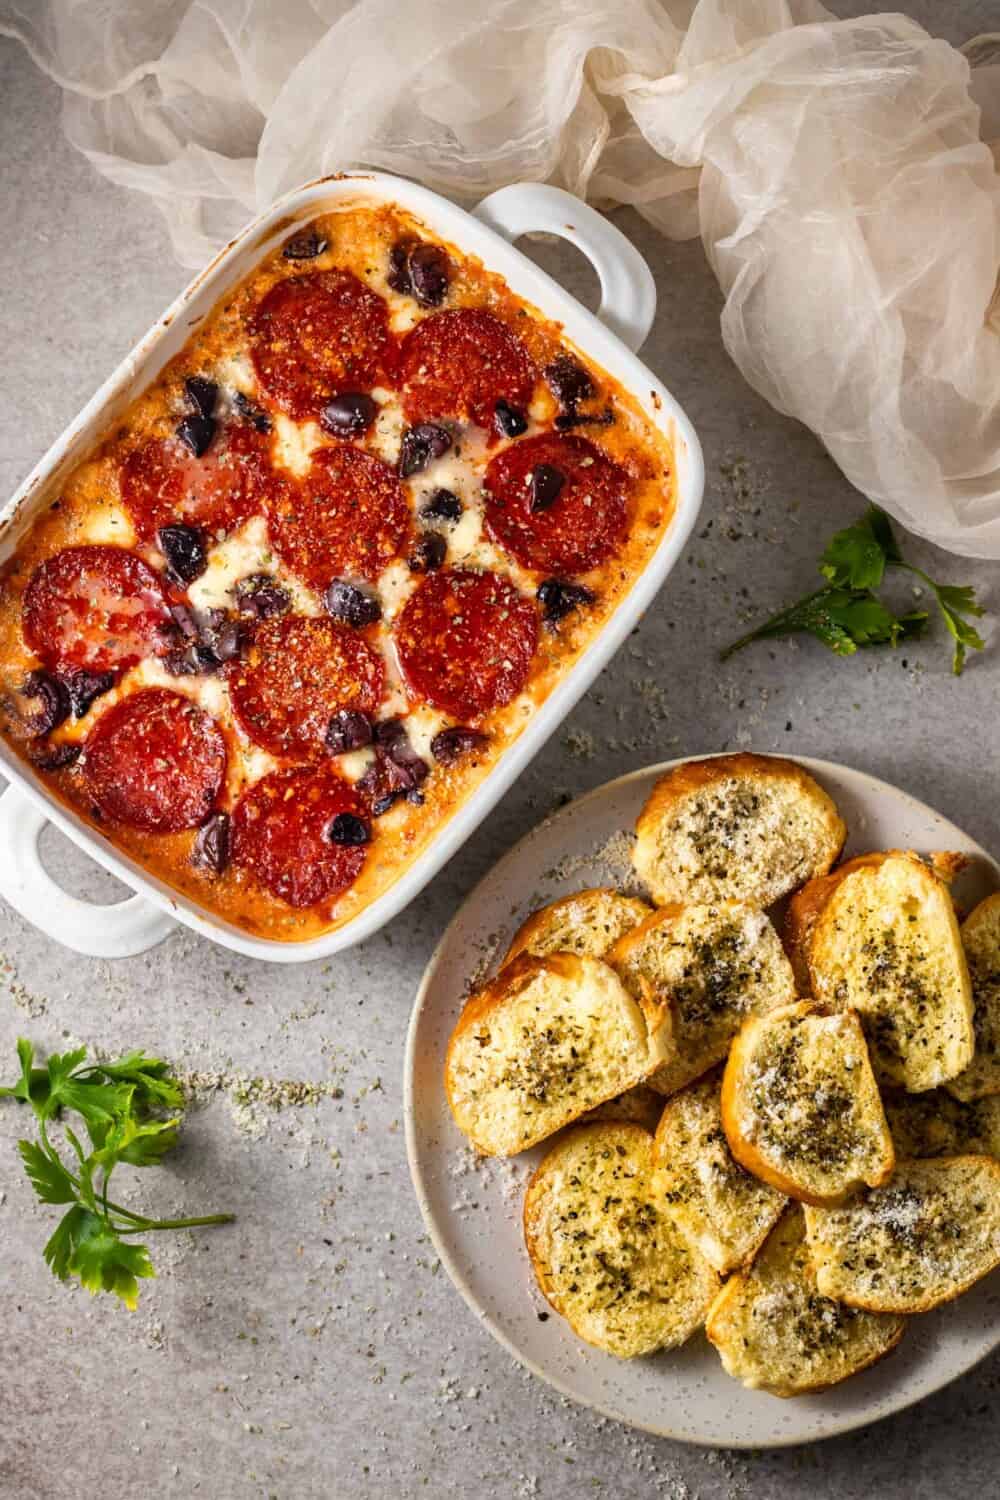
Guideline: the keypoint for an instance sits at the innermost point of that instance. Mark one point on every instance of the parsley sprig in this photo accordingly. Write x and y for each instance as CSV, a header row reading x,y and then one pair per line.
x,y
130,1111
846,612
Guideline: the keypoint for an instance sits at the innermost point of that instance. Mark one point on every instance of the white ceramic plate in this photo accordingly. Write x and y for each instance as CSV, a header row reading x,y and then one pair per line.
x,y
473,1208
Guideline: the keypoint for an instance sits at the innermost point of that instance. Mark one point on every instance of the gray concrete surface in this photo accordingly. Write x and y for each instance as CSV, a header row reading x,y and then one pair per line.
x,y
316,1349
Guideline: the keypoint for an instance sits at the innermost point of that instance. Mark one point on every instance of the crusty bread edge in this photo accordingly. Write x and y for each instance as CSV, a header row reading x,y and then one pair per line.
x,y
692,775
531,1213
525,934
745,1151
927,1304
496,991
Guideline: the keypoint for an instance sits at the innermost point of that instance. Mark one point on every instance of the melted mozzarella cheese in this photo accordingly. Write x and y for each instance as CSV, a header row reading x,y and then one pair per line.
x,y
246,551
395,585
235,372
294,443
108,524
387,432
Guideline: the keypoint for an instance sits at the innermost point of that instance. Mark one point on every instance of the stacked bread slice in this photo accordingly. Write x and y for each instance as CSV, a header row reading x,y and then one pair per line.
x,y
792,1144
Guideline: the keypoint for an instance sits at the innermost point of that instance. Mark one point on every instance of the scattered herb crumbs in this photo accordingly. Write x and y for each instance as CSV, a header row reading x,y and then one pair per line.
x,y
129,1109
846,613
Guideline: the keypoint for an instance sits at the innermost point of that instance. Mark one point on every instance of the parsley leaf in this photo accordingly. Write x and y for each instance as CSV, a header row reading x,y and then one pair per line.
x,y
47,1176
847,613
123,1107
105,1263
954,601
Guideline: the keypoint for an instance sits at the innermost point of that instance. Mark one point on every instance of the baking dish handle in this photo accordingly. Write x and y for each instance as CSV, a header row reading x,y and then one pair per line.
x,y
628,292
117,931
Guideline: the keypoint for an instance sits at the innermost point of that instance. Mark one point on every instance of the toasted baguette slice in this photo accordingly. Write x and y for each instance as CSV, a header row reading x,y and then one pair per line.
x,y
774,1332
936,1124
800,1106
735,828
606,1252
921,1240
543,1042
880,934
712,966
725,1213
981,941
639,1106
588,923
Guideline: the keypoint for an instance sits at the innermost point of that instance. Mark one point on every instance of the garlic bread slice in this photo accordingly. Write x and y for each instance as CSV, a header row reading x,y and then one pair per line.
x,y
776,1332
981,941
712,966
880,935
605,1250
724,1211
543,1042
937,1124
588,923
800,1105
922,1239
735,828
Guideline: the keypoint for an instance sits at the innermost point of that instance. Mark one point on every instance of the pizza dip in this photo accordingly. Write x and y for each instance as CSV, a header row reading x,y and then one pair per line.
x,y
282,621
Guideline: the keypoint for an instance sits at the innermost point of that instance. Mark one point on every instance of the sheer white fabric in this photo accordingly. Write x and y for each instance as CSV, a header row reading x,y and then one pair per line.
x,y
835,170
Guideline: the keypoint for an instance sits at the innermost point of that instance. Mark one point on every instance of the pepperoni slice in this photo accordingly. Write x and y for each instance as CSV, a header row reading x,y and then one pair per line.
x,y
298,672
162,482
465,641
94,607
281,835
460,363
578,529
315,336
347,517
155,761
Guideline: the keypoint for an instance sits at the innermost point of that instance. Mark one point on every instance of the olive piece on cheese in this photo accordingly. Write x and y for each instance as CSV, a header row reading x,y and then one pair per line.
x,y
262,597
429,552
443,505
421,445
202,394
185,552
348,730
212,844
53,700
349,414
348,829
351,605
509,420
304,246
545,484
559,598
449,745
196,432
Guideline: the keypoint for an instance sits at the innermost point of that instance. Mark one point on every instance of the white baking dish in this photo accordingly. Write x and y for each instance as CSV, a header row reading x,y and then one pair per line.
x,y
628,304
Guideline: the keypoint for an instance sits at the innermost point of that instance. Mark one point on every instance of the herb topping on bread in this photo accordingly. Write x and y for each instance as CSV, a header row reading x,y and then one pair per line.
x,y
800,1106
712,966
588,923
735,828
920,1240
880,935
605,1249
776,1332
724,1211
542,1043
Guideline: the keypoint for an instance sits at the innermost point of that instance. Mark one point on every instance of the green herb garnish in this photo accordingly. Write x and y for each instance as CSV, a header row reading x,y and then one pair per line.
x,y
846,613
129,1108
